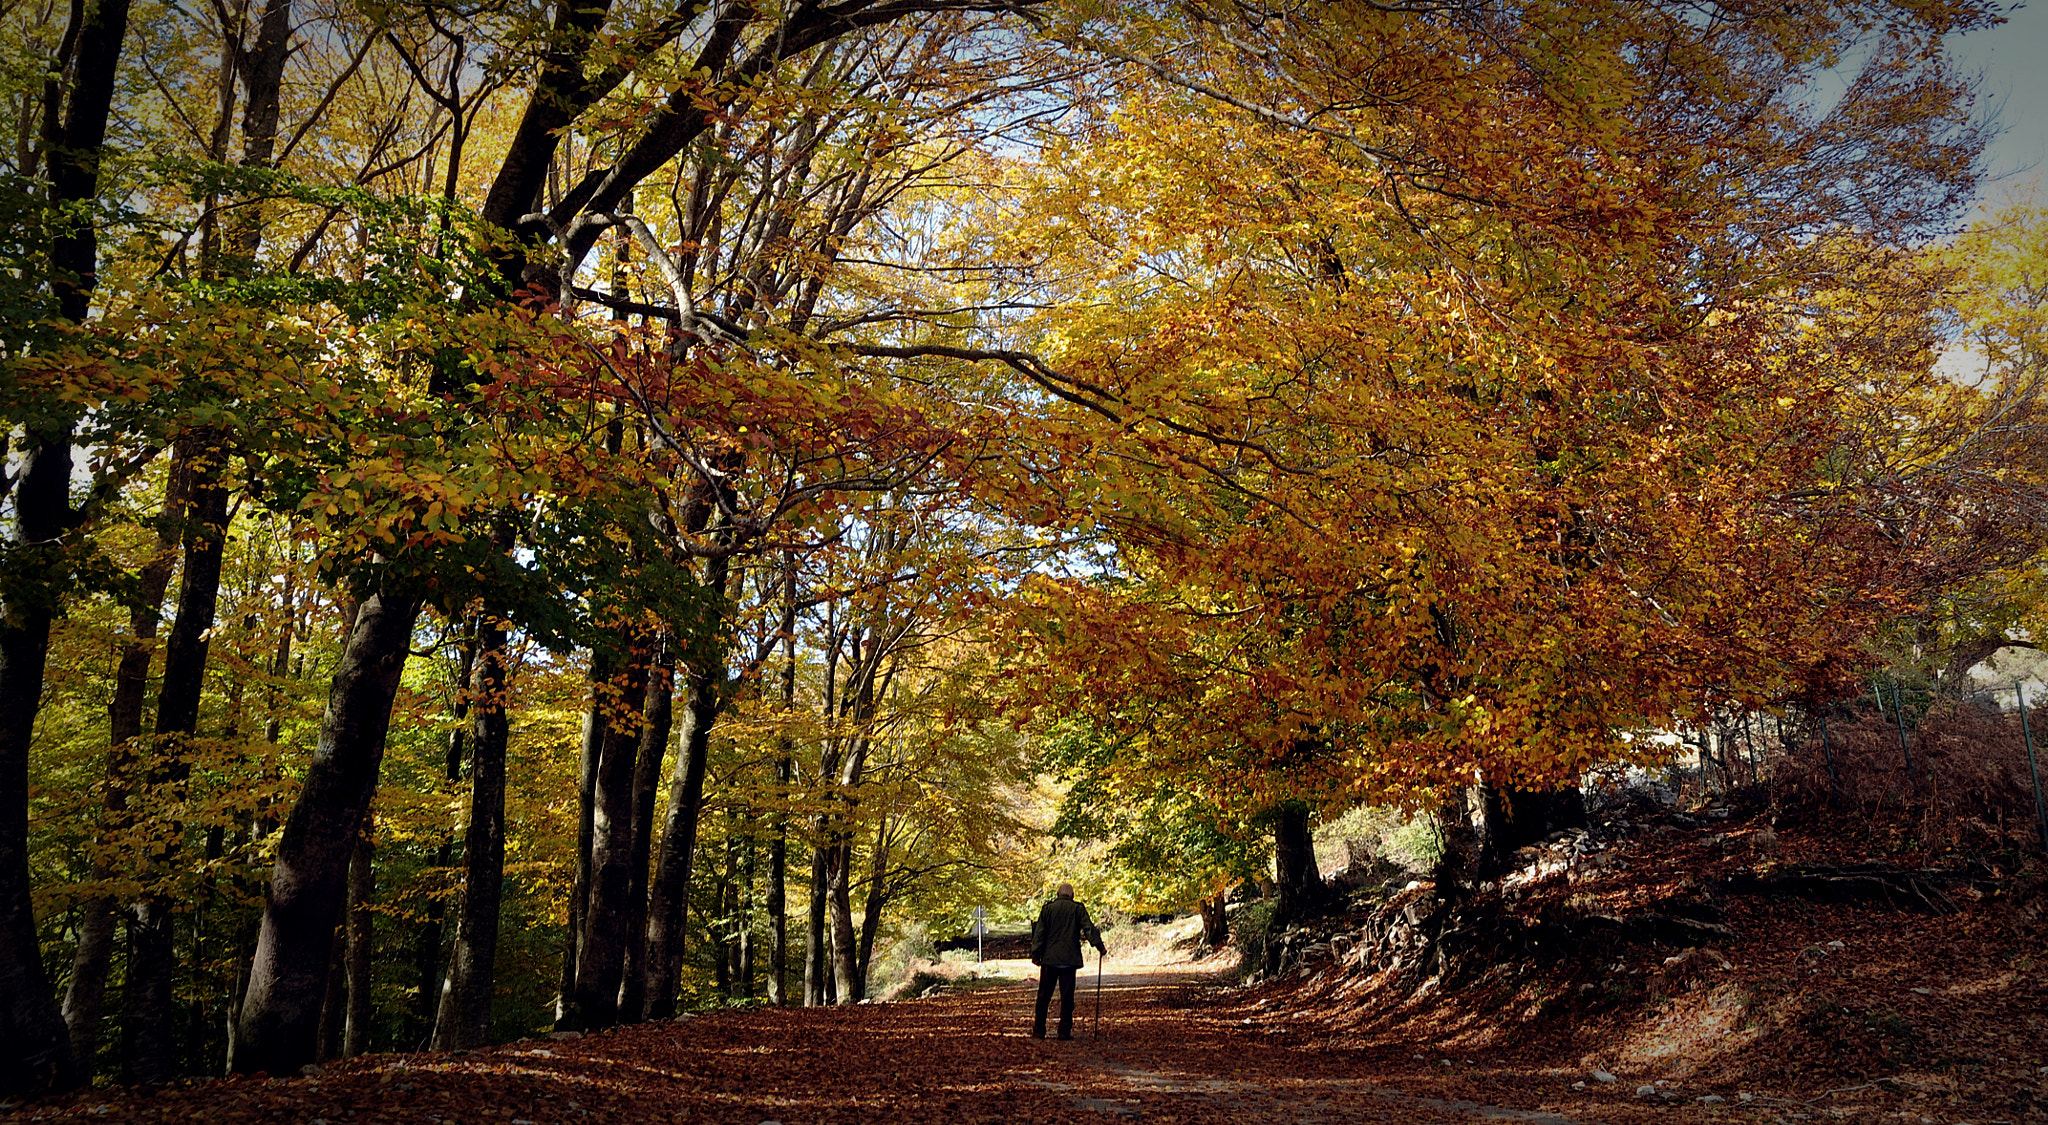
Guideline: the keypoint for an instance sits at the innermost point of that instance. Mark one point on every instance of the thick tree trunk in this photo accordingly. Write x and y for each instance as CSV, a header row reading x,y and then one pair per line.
x,y
669,908
308,885
656,726
362,894
1215,922
601,948
1484,824
35,1048
150,1016
1299,883
35,1045
465,1018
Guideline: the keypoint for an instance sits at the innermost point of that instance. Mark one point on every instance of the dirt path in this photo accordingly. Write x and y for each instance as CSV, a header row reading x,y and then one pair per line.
x,y
1172,1049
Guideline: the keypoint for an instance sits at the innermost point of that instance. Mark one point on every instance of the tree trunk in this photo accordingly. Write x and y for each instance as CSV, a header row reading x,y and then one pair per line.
x,y
601,948
465,1018
816,974
596,724
1215,922
334,999
35,1045
85,997
1299,885
428,996
288,974
785,774
777,904
668,909
362,891
845,969
246,933
656,725
150,1016
871,910
745,968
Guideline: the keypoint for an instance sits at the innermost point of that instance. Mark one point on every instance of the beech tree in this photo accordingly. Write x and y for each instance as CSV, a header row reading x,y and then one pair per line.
x,y
1312,404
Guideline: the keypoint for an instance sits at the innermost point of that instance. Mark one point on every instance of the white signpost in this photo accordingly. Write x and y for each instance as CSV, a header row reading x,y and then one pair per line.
x,y
979,930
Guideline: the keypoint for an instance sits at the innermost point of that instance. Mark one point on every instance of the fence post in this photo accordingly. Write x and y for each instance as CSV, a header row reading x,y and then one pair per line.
x,y
2033,765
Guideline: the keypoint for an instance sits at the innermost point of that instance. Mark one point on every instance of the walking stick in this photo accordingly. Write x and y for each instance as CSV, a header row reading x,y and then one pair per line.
x,y
1097,1033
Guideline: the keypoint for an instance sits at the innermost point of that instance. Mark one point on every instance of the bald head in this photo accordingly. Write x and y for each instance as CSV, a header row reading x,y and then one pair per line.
x,y
1066,890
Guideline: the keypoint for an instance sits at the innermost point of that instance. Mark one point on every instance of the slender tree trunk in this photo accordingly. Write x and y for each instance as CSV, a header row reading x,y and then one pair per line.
x,y
745,911
85,997
334,999
150,1019
777,904
596,724
871,909
669,906
721,929
845,937
601,949
816,974
362,893
465,1019
280,1017
273,729
426,955
785,774
656,726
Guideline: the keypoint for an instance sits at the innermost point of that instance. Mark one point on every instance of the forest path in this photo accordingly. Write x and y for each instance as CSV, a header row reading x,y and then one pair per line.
x,y
1173,1048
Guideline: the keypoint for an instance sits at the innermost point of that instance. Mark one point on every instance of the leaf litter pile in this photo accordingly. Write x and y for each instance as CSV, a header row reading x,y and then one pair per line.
x,y
1877,1011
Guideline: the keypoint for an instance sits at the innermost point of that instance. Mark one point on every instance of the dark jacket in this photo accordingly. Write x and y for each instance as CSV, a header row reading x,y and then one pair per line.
x,y
1057,935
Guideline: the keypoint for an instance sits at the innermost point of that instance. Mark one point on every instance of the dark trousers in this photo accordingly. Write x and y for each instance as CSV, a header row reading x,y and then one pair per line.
x,y
1063,976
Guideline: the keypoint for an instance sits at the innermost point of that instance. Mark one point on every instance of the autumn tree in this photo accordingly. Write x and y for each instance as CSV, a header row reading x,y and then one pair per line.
x,y
1473,420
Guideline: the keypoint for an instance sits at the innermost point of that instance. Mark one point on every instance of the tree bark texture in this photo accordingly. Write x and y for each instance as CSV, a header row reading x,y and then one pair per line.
x,y
308,885
601,948
465,1017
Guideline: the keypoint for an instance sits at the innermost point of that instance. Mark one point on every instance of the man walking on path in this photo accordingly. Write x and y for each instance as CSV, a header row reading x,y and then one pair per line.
x,y
1056,949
